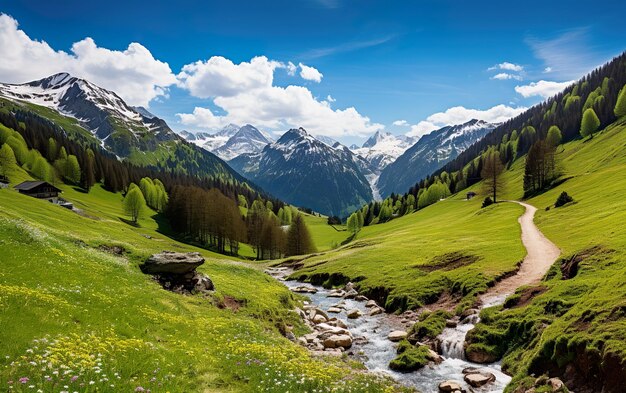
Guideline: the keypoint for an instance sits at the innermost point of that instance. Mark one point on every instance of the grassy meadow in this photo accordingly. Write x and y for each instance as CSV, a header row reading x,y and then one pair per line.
x,y
452,248
76,316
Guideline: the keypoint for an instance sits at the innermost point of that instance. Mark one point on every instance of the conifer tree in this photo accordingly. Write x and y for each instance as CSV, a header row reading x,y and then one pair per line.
x,y
492,168
299,240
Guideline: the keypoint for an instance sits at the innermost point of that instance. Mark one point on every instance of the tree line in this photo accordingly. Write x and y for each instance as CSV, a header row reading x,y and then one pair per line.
x,y
592,103
210,218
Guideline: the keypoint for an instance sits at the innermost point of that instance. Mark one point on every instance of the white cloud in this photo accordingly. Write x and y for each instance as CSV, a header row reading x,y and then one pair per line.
x,y
460,115
547,70
134,74
401,123
542,88
219,76
249,96
291,68
507,67
310,73
202,118
330,99
504,76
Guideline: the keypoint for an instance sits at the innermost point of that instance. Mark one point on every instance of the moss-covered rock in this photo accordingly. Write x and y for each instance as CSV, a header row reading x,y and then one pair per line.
x,y
412,358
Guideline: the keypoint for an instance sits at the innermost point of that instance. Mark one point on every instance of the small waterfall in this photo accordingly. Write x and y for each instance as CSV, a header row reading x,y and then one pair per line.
x,y
453,339
452,348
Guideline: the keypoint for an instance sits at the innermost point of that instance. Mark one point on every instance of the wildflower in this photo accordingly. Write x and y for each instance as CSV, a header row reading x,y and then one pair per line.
x,y
24,380
74,378
91,382
139,389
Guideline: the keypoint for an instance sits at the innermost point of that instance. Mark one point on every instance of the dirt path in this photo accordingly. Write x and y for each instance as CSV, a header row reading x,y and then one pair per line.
x,y
541,254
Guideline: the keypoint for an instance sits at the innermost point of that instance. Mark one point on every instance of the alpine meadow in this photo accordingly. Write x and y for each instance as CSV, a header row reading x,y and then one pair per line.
x,y
313,196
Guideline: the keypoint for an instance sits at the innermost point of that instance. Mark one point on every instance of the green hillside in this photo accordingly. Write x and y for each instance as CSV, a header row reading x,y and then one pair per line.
x,y
452,250
75,312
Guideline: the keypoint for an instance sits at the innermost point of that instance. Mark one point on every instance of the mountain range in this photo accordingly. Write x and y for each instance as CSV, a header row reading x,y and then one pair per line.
x,y
315,172
307,172
429,153
104,119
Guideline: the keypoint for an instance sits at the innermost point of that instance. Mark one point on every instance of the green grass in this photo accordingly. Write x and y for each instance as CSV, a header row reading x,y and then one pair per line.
x,y
584,315
325,237
72,313
450,247
576,321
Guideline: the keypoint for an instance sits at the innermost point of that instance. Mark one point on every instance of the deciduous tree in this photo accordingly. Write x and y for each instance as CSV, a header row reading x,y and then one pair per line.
x,y
492,168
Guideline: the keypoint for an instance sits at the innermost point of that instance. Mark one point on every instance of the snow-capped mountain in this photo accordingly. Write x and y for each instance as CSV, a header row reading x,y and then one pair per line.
x,y
430,153
132,133
326,139
231,141
382,148
119,126
306,172
247,140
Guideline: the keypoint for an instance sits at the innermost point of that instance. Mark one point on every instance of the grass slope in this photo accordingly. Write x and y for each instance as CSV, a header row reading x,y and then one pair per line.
x,y
576,328
75,315
450,247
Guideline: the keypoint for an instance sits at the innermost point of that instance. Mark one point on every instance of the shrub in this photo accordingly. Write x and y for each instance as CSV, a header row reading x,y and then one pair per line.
x,y
488,201
563,199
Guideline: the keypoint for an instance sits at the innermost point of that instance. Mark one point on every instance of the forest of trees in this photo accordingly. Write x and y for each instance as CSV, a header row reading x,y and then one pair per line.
x,y
208,210
585,107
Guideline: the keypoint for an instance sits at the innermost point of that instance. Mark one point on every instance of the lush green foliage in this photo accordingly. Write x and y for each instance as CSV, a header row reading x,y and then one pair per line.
x,y
410,359
620,105
134,203
590,123
89,312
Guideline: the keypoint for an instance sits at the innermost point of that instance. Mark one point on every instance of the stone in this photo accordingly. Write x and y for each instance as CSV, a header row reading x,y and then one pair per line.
x,y
434,357
360,298
354,313
451,323
338,340
450,386
479,379
169,262
290,336
349,286
556,384
202,283
319,318
334,310
375,311
467,312
340,323
336,293
351,294
478,355
304,289
397,335
371,303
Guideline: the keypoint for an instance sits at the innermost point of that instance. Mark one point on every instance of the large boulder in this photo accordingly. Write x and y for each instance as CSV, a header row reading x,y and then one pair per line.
x,y
450,387
479,379
169,262
397,335
337,341
479,354
354,313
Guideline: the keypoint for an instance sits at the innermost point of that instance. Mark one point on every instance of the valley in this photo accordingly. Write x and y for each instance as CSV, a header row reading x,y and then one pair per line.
x,y
312,197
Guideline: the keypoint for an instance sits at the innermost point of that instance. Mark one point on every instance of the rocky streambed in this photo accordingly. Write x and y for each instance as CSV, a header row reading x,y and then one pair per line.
x,y
342,321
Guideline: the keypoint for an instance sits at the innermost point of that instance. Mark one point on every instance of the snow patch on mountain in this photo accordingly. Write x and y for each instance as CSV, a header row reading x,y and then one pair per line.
x,y
383,148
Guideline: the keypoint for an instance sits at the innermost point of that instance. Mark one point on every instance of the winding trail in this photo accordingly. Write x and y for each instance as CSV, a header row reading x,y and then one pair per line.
x,y
541,254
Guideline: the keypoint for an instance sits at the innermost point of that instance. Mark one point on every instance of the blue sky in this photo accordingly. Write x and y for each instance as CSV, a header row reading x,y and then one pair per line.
x,y
389,60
